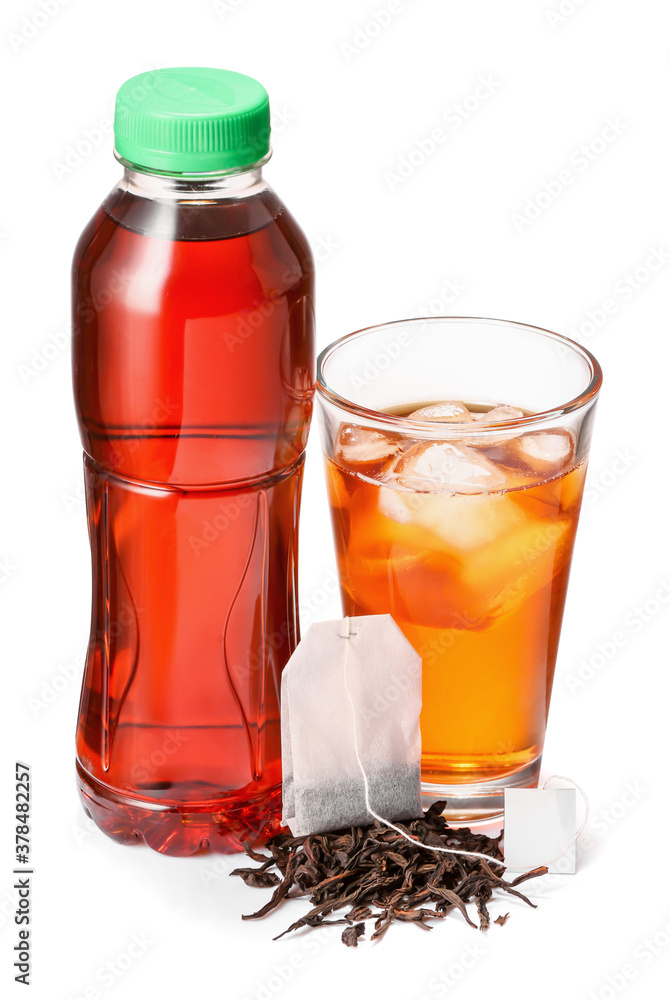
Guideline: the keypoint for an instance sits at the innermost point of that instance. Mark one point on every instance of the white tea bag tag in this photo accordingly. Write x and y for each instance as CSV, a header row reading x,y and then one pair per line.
x,y
540,829
350,706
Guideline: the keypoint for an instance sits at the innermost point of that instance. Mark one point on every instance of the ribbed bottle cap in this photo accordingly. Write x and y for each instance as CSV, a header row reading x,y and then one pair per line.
x,y
192,120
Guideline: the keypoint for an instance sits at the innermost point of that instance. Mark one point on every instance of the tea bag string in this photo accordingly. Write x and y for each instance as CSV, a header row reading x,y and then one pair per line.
x,y
570,781
414,840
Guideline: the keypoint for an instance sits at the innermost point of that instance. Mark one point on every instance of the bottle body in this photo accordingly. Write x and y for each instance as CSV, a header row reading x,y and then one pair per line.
x,y
193,371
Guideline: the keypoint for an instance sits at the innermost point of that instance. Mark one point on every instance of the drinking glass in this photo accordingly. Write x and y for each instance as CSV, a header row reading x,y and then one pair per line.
x,y
462,527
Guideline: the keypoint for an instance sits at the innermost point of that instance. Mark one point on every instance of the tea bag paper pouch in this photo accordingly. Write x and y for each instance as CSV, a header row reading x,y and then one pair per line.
x,y
540,826
350,704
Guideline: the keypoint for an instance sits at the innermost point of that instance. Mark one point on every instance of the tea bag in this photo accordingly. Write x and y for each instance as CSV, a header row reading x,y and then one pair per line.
x,y
541,826
350,704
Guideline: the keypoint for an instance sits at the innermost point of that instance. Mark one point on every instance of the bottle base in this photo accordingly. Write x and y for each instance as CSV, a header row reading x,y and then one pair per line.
x,y
221,826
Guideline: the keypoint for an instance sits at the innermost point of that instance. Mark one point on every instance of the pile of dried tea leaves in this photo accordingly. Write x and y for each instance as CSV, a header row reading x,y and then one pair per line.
x,y
377,875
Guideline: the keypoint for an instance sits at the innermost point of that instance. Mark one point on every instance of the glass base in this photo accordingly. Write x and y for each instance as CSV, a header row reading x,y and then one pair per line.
x,y
482,801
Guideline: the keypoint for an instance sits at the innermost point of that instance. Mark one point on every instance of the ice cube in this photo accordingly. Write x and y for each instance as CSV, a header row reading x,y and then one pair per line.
x,y
362,446
397,505
463,522
545,452
441,467
521,562
500,412
450,411
461,560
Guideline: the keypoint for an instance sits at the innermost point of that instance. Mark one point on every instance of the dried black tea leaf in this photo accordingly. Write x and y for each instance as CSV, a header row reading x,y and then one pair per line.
x,y
502,919
484,918
376,874
254,855
257,878
350,935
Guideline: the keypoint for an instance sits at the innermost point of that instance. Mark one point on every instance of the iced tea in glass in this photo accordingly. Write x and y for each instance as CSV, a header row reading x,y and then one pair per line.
x,y
456,452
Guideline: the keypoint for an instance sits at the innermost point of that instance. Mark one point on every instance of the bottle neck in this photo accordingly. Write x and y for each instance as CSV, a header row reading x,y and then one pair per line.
x,y
201,188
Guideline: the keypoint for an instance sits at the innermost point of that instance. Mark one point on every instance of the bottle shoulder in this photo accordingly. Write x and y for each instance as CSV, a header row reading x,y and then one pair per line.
x,y
192,220
188,221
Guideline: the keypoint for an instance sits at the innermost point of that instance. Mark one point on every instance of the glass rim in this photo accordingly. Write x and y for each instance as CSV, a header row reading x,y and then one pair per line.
x,y
455,429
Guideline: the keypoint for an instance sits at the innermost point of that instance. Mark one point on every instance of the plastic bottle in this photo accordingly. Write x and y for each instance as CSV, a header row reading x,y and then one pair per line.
x,y
193,380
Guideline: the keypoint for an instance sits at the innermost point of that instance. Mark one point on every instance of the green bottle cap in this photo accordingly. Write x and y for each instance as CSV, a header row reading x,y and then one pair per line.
x,y
192,120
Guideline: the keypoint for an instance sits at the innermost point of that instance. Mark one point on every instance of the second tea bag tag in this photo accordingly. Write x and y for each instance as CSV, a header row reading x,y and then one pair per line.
x,y
541,828
350,706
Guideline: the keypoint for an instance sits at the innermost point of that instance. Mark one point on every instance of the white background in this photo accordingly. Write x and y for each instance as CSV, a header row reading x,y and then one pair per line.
x,y
348,107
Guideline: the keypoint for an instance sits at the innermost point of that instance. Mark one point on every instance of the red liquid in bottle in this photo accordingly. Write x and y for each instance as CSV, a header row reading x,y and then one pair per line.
x,y
193,373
